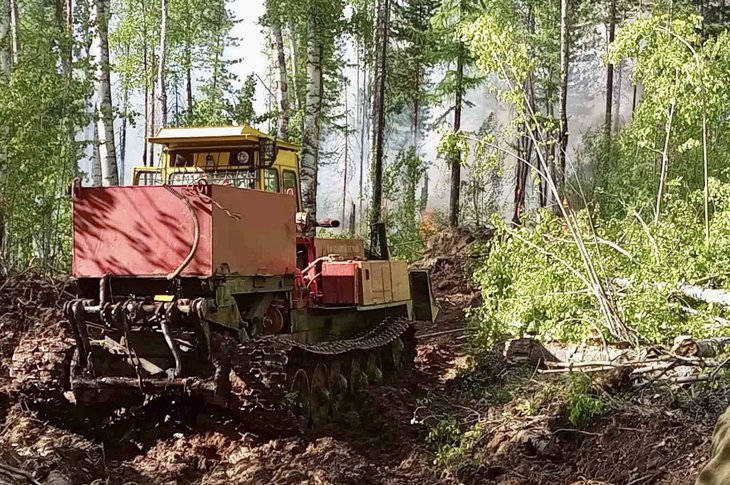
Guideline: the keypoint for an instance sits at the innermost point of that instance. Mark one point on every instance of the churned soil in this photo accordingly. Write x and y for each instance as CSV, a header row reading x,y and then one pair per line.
x,y
650,438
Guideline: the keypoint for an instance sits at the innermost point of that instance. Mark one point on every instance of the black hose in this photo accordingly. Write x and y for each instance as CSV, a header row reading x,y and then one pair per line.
x,y
196,240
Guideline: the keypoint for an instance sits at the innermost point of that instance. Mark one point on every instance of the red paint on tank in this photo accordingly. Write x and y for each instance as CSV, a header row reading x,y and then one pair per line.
x,y
340,284
149,231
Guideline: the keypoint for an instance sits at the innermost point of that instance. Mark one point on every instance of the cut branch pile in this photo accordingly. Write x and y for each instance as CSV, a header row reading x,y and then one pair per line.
x,y
688,361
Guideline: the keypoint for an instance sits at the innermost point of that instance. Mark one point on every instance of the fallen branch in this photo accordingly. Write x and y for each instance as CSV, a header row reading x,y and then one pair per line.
x,y
699,293
19,472
444,332
692,311
686,346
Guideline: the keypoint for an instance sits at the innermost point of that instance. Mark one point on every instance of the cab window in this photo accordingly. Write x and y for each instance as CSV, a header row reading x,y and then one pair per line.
x,y
289,180
271,180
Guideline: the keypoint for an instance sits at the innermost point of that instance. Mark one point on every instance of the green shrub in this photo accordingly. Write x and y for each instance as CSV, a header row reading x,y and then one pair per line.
x,y
583,405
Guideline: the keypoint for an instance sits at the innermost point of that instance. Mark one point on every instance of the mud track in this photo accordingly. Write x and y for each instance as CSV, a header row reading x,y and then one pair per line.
x,y
653,441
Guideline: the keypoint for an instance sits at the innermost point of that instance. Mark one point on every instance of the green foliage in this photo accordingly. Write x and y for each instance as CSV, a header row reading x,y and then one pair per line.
x,y
481,189
532,279
683,73
449,438
400,186
583,405
41,110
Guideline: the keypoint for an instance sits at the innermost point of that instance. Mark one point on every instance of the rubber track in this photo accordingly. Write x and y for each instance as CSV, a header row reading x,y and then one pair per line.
x,y
259,384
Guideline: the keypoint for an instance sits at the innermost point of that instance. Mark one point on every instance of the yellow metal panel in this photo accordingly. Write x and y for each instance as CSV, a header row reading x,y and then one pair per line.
x,y
399,279
375,282
347,248
200,136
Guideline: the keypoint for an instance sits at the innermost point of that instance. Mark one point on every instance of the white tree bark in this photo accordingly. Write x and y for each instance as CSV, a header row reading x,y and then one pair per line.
x,y
294,64
5,71
103,91
5,50
96,159
14,31
283,91
312,121
161,87
563,96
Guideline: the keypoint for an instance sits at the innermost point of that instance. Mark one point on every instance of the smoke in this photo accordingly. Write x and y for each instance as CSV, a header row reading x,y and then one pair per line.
x,y
586,114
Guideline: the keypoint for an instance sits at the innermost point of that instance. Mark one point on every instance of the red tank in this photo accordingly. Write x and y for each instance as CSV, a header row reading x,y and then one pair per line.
x,y
151,230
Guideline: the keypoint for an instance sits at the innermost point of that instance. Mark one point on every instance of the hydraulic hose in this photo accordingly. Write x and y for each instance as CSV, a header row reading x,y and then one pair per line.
x,y
196,236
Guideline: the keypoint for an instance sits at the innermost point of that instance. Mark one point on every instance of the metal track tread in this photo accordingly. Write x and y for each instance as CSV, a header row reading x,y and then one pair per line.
x,y
262,365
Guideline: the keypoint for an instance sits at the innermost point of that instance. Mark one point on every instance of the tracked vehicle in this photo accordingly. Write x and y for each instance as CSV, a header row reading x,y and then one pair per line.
x,y
203,278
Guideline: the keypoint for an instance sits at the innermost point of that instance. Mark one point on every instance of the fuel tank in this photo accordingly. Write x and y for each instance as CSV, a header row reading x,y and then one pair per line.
x,y
151,231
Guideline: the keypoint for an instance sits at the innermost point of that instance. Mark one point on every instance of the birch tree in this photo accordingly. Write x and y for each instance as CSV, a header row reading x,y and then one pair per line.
x,y
563,96
162,57
103,92
5,71
312,118
284,112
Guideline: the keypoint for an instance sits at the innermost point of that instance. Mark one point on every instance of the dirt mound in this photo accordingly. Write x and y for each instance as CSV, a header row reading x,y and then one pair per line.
x,y
27,303
449,256
50,452
454,242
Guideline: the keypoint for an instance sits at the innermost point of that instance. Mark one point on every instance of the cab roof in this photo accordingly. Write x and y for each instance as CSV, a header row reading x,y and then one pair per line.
x,y
212,135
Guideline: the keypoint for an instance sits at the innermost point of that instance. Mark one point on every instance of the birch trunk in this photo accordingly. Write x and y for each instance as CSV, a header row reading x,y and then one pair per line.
x,y
312,121
283,85
151,126
161,87
293,59
96,159
378,129
5,46
102,88
14,31
564,66
5,72
123,135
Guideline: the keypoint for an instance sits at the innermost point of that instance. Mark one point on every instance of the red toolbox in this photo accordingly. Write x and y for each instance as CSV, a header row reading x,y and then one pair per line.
x,y
340,284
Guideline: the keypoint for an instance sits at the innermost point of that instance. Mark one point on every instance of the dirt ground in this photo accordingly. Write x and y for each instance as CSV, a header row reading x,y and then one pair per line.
x,y
651,438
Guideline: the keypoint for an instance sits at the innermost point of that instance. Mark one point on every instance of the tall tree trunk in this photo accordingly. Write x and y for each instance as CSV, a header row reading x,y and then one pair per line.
x,y
347,160
123,134
293,59
455,194
105,110
14,31
6,55
378,129
564,67
619,93
151,119
609,73
161,87
364,117
5,73
312,120
96,159
283,85
189,92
